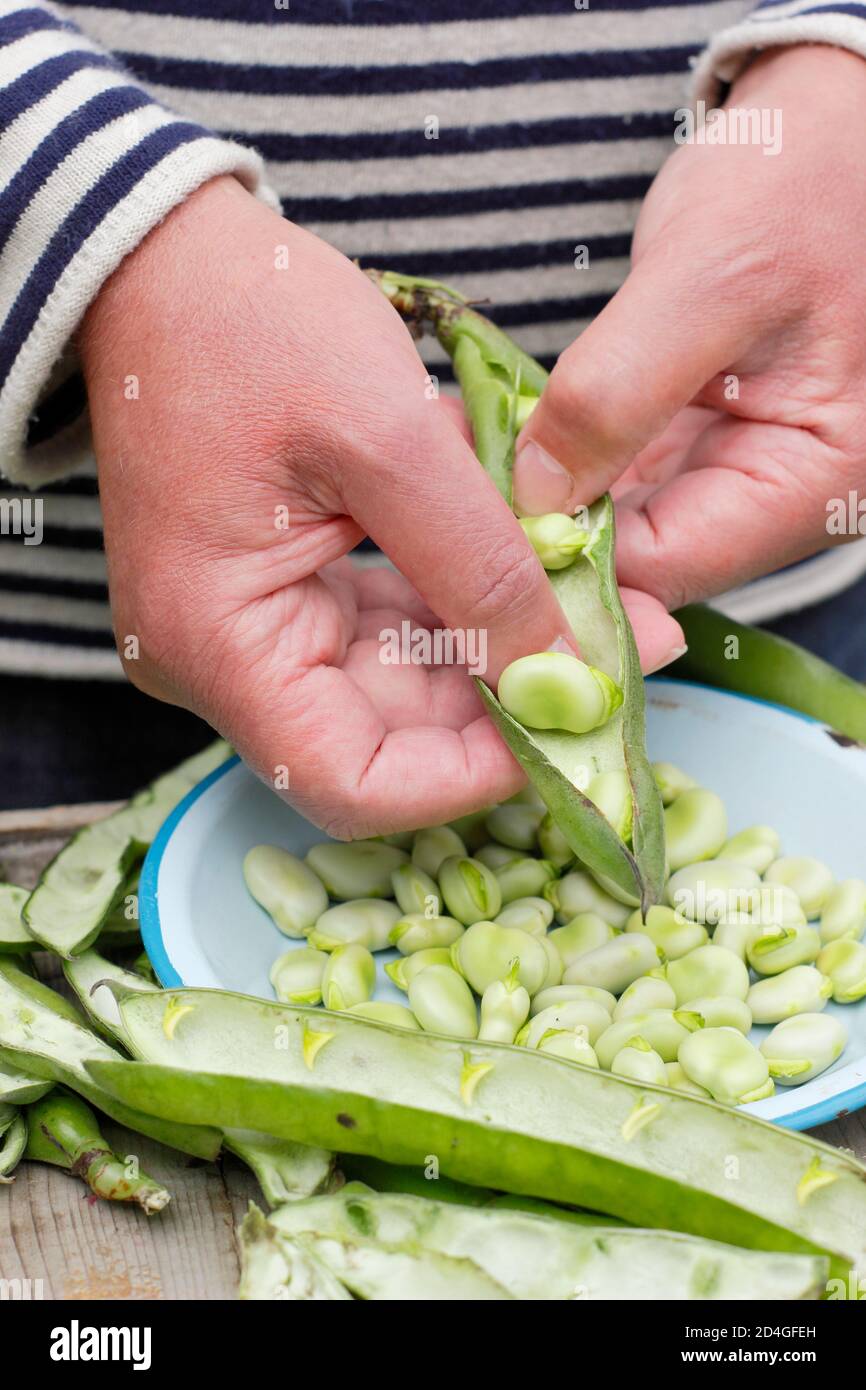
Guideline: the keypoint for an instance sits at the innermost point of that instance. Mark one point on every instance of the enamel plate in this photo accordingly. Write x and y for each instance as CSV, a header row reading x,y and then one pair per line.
x,y
201,928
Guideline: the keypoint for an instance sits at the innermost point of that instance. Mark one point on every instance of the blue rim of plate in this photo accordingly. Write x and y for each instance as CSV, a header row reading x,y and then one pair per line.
x,y
819,1113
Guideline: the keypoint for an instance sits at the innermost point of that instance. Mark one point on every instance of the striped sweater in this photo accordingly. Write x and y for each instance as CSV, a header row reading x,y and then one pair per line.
x,y
481,145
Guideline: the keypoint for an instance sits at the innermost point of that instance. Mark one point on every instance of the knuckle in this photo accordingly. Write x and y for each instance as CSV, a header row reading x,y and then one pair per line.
x,y
507,584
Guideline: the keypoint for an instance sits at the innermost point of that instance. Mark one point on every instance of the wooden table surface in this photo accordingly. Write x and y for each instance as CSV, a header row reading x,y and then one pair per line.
x,y
53,1230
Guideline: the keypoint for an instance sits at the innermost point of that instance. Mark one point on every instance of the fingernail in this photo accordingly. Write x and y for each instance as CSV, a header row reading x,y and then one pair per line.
x,y
563,643
540,483
673,655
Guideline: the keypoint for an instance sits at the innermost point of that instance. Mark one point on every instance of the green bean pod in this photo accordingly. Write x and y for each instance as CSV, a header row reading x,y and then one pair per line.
x,y
639,1062
844,964
532,914
13,1142
383,1011
485,952
430,848
646,992
708,970
415,890
724,1062
756,847
802,1047
578,892
297,975
64,1132
523,878
583,1016
663,1029
349,977
442,1002
560,994
696,827
15,939
515,826
420,933
673,935
362,869
504,1008
405,968
614,965
800,990
843,913
810,879
471,891
496,1116
583,933
291,894
365,921
774,949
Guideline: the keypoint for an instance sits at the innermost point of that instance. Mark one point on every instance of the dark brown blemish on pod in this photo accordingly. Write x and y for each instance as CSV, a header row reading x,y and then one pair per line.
x,y
843,740
346,1121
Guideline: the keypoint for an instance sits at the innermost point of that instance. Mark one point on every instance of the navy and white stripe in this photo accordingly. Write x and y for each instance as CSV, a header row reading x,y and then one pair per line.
x,y
552,124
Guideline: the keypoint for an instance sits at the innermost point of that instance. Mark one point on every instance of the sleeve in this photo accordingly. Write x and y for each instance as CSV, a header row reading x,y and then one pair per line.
x,y
773,24
89,164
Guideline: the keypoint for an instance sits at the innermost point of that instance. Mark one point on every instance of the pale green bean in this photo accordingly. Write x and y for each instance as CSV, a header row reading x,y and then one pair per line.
x,y
708,970
614,965
523,878
709,892
810,879
664,1030
801,990
673,934
485,953
554,690
802,1047
843,913
574,1015
671,780
405,968
774,949
611,793
696,827
471,891
736,934
756,847
556,538
726,1064
349,978
529,914
777,904
584,933
442,1002
365,921
359,870
844,964
415,890
497,856
647,992
560,994
721,1011
515,826
640,1062
555,967
285,887
417,932
297,975
553,844
572,1046
578,892
430,848
504,1009
678,1081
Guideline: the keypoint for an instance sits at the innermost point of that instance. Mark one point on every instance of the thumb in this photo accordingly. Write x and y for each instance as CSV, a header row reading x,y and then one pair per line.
x,y
661,338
